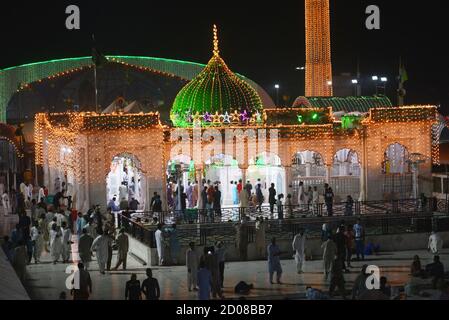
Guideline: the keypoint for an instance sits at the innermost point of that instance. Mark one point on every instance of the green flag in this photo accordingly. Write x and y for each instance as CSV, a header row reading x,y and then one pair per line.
x,y
403,77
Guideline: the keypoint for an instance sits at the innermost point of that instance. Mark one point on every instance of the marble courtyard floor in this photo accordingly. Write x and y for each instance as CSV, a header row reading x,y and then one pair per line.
x,y
46,281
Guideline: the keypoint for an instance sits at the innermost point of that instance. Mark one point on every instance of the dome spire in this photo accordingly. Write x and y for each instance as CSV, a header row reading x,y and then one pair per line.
x,y
216,51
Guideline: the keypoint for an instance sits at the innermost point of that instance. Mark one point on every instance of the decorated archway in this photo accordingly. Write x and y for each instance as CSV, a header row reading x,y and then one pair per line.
x,y
221,170
396,169
126,180
308,167
266,168
345,174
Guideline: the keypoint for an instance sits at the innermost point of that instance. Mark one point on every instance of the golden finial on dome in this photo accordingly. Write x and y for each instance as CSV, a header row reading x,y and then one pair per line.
x,y
216,51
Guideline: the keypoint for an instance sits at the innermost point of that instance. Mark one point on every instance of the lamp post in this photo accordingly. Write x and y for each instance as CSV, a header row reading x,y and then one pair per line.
x,y
375,79
384,81
355,82
276,86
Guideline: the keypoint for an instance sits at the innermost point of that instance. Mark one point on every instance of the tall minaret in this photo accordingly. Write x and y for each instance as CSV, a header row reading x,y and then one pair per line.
x,y
318,49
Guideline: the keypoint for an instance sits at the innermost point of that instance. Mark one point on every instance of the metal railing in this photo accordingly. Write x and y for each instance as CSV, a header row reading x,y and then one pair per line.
x,y
310,210
208,233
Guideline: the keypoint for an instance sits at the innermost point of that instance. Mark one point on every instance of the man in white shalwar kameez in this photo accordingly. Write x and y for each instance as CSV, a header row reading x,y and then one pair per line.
x,y
100,246
41,195
158,235
66,242
55,242
298,245
6,204
192,261
435,243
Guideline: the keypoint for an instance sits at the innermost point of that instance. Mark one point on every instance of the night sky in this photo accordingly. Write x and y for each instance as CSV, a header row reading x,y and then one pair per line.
x,y
262,40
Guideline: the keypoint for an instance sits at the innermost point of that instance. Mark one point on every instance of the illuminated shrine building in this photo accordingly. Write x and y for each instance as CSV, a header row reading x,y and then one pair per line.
x,y
369,155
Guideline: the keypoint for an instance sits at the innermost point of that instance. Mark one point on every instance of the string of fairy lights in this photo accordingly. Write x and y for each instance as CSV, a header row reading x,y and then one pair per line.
x,y
318,49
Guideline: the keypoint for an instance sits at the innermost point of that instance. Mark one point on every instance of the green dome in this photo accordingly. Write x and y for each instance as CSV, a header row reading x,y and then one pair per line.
x,y
216,93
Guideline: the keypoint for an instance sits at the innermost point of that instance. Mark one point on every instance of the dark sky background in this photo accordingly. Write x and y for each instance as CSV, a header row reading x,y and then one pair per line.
x,y
262,40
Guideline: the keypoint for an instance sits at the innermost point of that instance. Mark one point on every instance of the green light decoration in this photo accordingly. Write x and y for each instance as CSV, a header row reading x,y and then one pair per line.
x,y
315,116
300,118
350,121
260,161
215,94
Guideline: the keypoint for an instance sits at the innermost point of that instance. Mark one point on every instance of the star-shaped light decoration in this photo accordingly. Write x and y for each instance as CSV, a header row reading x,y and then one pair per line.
x,y
207,117
235,116
258,117
226,118
244,116
196,118
216,118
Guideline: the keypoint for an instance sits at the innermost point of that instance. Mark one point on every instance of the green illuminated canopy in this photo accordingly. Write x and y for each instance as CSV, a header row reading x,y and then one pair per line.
x,y
14,77
216,90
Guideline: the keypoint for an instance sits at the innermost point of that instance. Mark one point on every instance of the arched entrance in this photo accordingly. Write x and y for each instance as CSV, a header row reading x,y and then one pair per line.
x,y
308,167
345,178
398,180
180,170
126,180
221,169
267,168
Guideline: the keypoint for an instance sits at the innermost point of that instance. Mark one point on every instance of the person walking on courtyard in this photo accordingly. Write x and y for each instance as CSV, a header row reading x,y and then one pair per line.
x,y
349,240
6,204
37,242
84,248
85,284
274,261
329,252
150,286
272,198
101,245
132,289
259,196
107,232
359,235
235,193
220,251
260,237
204,282
123,247
435,243
66,242
55,242
280,207
340,242
242,240
337,279
301,196
299,243
244,200
329,200
192,261
158,235
175,247
210,259
348,206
